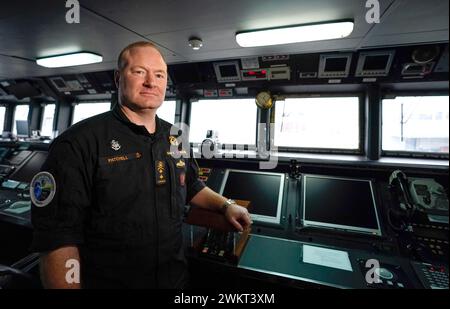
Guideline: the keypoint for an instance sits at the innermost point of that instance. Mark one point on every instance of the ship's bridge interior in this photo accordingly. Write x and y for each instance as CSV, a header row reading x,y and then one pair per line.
x,y
338,147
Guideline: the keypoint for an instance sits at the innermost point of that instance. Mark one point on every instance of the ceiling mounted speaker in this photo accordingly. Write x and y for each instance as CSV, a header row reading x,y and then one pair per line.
x,y
422,55
23,89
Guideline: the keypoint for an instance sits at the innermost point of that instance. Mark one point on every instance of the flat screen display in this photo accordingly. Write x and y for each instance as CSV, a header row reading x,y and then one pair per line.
x,y
263,190
376,62
22,128
340,203
336,64
228,71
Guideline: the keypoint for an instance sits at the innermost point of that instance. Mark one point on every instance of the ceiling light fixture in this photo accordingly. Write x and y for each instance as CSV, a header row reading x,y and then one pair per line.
x,y
295,34
69,60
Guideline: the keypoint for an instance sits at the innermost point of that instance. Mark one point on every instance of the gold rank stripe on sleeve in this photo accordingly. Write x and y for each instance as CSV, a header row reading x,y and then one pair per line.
x,y
119,158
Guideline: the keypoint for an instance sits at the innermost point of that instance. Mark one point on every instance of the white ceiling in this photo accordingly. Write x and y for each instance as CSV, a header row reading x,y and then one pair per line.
x,y
33,29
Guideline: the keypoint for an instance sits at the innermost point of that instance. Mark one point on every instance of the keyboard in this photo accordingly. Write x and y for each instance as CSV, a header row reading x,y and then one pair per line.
x,y
431,276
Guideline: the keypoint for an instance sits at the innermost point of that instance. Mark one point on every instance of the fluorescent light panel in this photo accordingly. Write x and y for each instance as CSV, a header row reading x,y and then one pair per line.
x,y
295,34
69,60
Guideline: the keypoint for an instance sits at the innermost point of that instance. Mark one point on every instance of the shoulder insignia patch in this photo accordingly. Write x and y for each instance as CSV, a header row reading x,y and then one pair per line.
x,y
42,189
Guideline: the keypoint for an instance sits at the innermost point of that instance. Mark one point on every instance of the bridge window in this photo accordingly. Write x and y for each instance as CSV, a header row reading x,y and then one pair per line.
x,y
47,120
167,111
20,113
326,122
416,124
234,119
2,117
85,110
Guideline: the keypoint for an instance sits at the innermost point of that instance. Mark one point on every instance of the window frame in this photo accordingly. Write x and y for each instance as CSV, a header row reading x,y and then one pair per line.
x,y
175,115
2,129
41,120
224,146
362,126
72,112
13,117
408,154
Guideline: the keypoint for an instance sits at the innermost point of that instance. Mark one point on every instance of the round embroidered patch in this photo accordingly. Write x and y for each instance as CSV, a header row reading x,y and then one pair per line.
x,y
42,189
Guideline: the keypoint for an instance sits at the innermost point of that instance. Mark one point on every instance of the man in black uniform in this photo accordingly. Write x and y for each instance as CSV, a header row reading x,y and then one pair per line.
x,y
110,196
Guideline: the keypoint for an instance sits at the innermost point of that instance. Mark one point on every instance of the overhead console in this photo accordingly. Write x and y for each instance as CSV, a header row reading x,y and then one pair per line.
x,y
401,64
393,65
244,76
83,84
24,88
59,86
230,71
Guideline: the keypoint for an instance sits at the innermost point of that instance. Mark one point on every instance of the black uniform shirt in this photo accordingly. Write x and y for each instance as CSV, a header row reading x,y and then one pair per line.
x,y
119,197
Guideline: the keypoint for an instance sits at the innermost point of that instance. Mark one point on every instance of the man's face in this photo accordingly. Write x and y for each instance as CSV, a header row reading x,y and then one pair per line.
x,y
142,81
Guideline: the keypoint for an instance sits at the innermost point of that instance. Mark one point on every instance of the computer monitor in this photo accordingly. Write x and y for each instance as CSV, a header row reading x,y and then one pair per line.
x,y
263,189
227,71
335,65
374,63
26,172
22,128
346,204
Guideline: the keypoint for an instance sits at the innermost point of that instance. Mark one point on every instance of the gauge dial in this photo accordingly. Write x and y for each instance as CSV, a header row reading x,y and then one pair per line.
x,y
264,100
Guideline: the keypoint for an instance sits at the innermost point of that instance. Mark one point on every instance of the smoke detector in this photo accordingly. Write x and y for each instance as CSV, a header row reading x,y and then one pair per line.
x,y
195,43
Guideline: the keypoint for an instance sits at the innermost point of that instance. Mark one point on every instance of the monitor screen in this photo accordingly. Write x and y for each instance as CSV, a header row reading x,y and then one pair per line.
x,y
340,203
22,128
374,63
185,73
263,190
378,62
336,64
228,70
30,168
